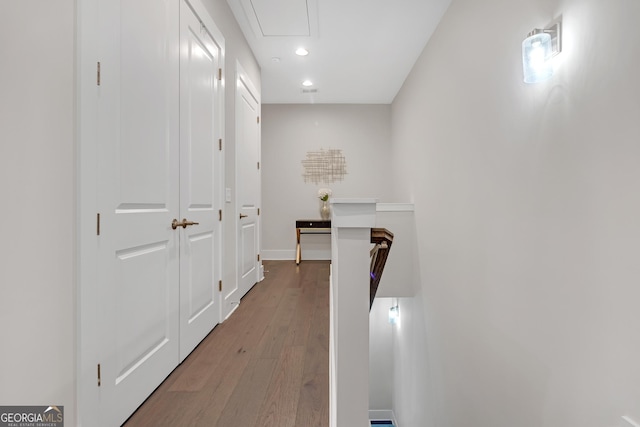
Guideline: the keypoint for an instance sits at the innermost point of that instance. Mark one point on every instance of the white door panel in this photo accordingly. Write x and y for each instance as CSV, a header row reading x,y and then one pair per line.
x,y
248,250
137,191
199,294
200,180
140,302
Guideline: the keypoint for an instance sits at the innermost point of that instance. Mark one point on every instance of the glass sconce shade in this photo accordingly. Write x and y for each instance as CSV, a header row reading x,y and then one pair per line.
x,y
537,52
394,315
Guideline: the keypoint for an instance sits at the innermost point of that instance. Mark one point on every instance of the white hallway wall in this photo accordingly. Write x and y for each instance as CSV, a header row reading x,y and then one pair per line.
x,y
381,355
363,134
38,266
38,216
527,211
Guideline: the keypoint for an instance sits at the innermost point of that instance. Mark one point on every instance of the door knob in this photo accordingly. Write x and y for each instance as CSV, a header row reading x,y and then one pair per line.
x,y
243,216
175,224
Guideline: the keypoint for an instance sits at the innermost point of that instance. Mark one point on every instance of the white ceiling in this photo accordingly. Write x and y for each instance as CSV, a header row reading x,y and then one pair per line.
x,y
360,50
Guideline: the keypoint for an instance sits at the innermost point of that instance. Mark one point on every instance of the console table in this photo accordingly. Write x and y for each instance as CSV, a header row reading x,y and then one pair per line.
x,y
310,226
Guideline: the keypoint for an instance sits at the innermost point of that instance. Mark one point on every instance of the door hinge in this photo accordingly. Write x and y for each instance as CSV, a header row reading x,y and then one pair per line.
x,y
219,73
220,285
220,144
219,214
258,257
99,376
258,211
258,165
98,75
98,224
258,119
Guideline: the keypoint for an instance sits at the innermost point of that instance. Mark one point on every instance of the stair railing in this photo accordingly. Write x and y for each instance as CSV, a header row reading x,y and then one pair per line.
x,y
382,240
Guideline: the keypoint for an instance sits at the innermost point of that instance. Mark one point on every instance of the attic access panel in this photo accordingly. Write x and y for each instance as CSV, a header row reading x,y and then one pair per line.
x,y
279,18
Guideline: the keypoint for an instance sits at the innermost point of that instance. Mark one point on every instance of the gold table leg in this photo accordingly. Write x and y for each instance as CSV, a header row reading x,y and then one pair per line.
x,y
298,250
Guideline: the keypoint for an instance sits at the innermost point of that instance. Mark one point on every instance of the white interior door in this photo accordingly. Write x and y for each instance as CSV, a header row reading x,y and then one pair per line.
x,y
137,192
200,180
248,183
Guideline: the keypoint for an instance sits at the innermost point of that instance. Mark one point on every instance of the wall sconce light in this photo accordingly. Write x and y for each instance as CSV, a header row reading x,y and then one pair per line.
x,y
394,315
540,46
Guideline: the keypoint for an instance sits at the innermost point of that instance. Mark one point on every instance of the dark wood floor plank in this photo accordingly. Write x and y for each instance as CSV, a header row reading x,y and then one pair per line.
x,y
220,389
244,404
273,338
317,358
312,408
298,332
280,406
268,294
196,370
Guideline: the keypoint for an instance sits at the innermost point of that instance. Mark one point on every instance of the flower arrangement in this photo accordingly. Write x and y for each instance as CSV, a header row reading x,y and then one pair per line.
x,y
324,194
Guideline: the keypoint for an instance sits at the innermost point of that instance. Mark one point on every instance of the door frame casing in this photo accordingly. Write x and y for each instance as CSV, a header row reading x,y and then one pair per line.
x,y
88,345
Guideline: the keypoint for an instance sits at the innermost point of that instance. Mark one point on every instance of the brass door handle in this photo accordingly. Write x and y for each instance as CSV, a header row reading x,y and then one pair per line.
x,y
175,224
243,216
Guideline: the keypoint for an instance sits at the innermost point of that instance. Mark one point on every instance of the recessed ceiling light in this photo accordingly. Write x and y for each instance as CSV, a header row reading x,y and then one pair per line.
x,y
307,83
302,51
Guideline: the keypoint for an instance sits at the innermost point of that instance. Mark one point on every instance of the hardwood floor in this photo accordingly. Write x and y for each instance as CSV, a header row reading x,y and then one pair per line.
x,y
267,365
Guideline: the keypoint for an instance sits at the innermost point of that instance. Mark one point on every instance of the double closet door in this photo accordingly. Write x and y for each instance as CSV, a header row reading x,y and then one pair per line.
x,y
158,193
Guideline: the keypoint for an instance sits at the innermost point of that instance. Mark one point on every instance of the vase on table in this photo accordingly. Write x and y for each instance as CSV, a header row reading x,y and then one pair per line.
x,y
325,210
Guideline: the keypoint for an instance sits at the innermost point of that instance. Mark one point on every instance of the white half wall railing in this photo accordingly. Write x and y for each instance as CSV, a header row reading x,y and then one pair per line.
x,y
351,222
